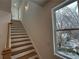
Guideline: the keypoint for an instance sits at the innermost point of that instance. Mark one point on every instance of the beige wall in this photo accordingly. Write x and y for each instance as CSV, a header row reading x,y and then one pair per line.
x,y
4,19
5,5
38,24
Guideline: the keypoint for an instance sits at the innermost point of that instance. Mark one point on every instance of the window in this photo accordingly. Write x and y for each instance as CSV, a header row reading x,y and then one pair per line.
x,y
67,31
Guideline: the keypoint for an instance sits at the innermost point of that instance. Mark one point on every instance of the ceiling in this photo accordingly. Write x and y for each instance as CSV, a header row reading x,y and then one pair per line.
x,y
40,2
17,2
6,4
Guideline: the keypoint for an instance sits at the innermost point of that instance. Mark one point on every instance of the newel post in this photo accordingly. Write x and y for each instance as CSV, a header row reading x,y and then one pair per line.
x,y
6,53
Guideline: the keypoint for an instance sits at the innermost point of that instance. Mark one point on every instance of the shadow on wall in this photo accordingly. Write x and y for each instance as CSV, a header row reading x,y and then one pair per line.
x,y
5,17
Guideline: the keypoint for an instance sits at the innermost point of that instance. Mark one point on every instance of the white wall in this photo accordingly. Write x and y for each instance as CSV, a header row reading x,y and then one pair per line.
x,y
21,10
4,19
15,13
38,24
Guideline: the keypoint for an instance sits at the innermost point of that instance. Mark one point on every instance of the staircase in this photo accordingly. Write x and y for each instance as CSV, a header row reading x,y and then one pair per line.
x,y
21,45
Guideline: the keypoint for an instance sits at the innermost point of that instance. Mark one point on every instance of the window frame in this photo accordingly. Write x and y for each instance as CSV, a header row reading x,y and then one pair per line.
x,y
65,3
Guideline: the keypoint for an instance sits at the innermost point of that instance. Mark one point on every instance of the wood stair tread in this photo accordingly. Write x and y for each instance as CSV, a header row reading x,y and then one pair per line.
x,y
17,31
20,48
15,37
18,34
17,28
22,54
16,46
27,56
23,50
20,41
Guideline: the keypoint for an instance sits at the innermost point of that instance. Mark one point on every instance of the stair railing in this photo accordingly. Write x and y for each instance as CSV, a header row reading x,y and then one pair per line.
x,y
7,51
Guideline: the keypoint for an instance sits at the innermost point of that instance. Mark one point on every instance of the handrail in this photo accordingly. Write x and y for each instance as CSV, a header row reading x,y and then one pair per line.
x,y
7,51
7,43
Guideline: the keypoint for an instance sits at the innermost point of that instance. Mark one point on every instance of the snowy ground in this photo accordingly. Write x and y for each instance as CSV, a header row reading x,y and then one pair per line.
x,y
70,55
